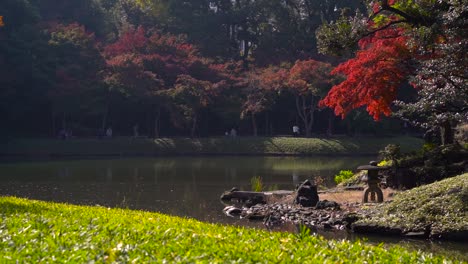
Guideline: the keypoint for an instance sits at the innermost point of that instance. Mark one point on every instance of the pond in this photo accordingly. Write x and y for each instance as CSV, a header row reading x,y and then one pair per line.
x,y
181,186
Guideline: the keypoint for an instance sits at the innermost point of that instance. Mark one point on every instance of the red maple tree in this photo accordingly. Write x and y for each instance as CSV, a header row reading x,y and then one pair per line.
x,y
372,78
308,80
156,67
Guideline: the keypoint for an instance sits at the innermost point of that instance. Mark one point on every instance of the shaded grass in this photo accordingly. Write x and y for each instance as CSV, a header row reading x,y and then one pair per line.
x,y
441,206
33,231
219,145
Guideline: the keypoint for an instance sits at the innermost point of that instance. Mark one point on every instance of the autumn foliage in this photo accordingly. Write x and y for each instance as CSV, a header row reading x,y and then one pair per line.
x,y
165,68
75,72
373,76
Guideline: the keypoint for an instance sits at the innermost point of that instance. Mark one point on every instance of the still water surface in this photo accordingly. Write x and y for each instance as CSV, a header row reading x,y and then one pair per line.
x,y
181,186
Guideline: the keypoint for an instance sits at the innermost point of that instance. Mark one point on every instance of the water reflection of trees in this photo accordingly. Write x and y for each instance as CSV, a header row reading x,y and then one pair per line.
x,y
184,186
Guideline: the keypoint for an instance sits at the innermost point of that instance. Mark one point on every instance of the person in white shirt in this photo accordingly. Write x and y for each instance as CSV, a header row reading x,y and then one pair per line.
x,y
295,131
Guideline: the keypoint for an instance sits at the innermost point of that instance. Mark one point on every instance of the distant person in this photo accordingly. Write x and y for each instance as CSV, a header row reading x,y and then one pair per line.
x,y
295,131
233,133
109,132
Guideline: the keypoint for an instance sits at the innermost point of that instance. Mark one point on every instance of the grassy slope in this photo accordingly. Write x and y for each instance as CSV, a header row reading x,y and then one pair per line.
x,y
220,145
32,231
441,205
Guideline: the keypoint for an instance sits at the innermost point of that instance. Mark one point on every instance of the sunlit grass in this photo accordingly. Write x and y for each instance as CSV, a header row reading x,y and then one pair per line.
x,y
42,232
217,145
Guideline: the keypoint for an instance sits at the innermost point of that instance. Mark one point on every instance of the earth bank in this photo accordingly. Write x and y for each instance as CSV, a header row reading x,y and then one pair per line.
x,y
436,211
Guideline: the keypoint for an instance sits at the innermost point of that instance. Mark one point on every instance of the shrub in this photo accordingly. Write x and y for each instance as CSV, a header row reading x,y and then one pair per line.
x,y
461,134
343,175
391,152
385,163
257,183
427,147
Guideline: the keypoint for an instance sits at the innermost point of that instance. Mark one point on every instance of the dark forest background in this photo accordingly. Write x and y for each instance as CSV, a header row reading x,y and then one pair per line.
x,y
71,65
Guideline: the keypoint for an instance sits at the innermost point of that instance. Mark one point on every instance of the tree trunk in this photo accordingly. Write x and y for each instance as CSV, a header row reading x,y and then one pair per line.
x,y
311,113
446,133
104,117
54,128
267,123
194,126
306,112
300,111
157,119
64,120
254,125
106,111
245,52
330,124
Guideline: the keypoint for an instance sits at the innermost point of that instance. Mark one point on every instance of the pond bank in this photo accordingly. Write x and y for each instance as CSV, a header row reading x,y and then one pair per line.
x,y
36,231
282,146
438,211
434,211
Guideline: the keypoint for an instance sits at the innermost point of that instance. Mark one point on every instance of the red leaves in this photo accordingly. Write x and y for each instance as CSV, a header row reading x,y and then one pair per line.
x,y
308,76
373,76
132,41
303,77
148,63
272,78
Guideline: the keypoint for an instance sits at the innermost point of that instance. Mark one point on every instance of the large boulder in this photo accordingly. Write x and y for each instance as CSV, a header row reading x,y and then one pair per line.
x,y
306,194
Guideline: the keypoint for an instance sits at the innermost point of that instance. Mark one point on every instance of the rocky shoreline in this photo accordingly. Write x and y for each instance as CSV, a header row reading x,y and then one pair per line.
x,y
285,207
326,215
301,206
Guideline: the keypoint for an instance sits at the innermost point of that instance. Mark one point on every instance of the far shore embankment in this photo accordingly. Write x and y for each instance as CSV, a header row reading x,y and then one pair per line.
x,y
268,146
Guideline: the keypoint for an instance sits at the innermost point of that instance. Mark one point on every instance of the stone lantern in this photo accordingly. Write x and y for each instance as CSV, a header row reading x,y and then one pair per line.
x,y
372,181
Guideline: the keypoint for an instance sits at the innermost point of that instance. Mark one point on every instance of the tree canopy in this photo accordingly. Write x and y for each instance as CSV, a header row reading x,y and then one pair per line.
x,y
197,68
422,42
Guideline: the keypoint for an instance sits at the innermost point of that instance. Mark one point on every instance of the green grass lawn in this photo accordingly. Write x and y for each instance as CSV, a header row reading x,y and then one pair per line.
x,y
218,145
43,232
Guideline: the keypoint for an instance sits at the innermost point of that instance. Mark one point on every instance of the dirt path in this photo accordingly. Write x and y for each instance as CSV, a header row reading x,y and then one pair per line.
x,y
351,196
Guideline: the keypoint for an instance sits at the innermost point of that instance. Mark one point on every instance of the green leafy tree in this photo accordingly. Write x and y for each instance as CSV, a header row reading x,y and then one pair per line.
x,y
26,69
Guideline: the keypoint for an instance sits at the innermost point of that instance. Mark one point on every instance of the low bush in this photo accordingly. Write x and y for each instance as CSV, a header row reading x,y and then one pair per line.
x,y
257,183
343,175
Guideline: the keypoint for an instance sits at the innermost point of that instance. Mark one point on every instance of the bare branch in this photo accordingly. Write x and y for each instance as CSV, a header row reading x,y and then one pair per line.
x,y
385,27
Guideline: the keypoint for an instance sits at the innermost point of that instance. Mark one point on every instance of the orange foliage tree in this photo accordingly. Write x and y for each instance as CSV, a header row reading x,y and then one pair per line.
x,y
308,80
165,70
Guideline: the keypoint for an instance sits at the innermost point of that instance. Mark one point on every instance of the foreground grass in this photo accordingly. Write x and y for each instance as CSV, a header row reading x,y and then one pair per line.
x,y
440,209
217,145
33,231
